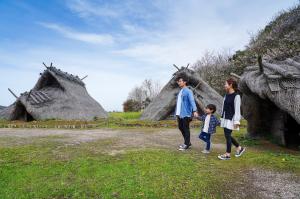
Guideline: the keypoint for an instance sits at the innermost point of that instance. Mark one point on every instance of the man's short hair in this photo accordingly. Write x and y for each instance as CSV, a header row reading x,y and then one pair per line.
x,y
212,107
183,77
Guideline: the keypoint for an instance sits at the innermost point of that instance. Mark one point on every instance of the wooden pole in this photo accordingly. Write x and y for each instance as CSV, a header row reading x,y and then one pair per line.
x,y
188,66
45,65
197,85
176,67
84,77
13,93
235,75
28,95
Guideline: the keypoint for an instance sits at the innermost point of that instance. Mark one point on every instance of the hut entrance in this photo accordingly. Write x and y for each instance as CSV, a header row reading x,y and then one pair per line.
x,y
268,120
48,80
292,132
21,113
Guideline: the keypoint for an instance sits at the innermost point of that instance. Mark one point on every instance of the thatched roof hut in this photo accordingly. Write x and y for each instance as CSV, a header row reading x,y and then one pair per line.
x,y
164,104
56,95
270,101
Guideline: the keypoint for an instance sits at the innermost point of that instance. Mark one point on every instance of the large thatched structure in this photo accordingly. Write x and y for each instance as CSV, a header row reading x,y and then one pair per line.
x,y
56,95
271,100
164,104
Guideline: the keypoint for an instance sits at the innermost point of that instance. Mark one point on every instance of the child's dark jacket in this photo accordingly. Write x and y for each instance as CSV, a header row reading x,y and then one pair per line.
x,y
213,123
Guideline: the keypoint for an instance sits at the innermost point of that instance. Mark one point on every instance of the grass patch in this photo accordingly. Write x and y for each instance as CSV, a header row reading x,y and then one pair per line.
x,y
111,122
115,120
49,169
126,115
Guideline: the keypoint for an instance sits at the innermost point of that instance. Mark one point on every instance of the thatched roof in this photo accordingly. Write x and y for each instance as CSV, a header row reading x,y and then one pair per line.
x,y
56,95
270,101
277,81
164,104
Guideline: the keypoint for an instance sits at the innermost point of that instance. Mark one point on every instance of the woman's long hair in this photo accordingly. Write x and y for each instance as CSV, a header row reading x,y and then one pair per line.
x,y
234,85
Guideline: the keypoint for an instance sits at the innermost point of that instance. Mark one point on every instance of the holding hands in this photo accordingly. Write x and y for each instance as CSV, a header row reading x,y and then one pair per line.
x,y
195,114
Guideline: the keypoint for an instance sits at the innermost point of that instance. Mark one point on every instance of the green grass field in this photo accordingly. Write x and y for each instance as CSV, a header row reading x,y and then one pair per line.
x,y
115,120
47,168
34,171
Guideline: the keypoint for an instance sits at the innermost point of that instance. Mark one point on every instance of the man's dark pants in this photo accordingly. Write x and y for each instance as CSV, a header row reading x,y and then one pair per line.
x,y
184,127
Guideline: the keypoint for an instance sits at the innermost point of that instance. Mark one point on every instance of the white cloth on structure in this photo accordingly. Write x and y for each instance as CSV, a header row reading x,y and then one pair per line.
x,y
229,124
178,105
206,124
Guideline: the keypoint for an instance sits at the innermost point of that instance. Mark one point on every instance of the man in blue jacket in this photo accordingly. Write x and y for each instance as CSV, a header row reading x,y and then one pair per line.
x,y
185,110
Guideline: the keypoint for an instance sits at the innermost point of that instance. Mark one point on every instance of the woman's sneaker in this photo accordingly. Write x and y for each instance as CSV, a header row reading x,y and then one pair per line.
x,y
224,157
240,152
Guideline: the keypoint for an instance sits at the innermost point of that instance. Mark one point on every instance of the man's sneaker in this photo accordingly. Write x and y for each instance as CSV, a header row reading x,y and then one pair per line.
x,y
205,151
224,157
240,152
185,147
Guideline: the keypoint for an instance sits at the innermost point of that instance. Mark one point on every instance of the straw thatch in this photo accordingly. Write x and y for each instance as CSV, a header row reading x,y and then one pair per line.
x,y
56,95
270,102
164,104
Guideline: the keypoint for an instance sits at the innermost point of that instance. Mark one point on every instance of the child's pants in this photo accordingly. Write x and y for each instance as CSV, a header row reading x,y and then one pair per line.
x,y
206,138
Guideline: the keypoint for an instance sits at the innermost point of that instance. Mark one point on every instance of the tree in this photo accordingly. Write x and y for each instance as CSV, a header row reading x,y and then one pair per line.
x,y
215,69
131,106
142,95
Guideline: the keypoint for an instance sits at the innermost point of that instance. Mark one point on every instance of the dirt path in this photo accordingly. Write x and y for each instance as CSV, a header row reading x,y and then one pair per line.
x,y
128,138
257,183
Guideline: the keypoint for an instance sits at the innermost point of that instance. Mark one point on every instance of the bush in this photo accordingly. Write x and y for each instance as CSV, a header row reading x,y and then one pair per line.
x,y
131,106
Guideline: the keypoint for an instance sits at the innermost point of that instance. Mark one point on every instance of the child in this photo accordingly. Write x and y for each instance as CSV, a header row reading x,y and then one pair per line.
x,y
230,120
210,122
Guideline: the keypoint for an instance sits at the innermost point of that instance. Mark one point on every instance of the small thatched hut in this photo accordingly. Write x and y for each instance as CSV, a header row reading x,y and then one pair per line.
x,y
271,100
164,104
56,95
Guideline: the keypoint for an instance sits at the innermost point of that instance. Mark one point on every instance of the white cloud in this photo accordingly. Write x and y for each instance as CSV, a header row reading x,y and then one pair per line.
x,y
146,42
192,27
87,9
80,36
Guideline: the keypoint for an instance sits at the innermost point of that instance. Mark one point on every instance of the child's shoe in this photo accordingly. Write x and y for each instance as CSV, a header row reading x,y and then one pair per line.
x,y
205,151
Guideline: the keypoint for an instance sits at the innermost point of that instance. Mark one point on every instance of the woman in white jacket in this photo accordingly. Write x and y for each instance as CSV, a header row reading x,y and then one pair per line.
x,y
231,116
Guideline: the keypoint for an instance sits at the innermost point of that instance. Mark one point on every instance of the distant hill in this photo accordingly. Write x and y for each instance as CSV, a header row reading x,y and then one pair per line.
x,y
280,39
2,107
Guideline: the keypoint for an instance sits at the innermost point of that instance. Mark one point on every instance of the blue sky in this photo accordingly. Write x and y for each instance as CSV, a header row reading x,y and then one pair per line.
x,y
120,43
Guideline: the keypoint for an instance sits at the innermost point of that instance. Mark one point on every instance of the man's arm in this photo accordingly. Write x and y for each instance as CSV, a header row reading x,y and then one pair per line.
x,y
193,103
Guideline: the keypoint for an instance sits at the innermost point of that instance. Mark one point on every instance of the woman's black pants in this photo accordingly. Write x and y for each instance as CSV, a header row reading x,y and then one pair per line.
x,y
229,140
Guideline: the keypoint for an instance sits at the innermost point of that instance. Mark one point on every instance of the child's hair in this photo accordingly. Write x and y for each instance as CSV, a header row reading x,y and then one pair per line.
x,y
233,83
212,107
